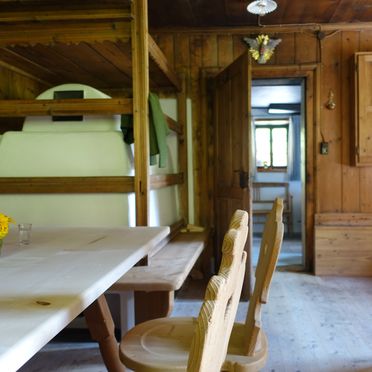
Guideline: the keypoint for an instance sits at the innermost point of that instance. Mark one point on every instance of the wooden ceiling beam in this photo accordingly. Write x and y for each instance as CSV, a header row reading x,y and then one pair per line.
x,y
67,33
26,67
24,73
65,107
59,59
115,56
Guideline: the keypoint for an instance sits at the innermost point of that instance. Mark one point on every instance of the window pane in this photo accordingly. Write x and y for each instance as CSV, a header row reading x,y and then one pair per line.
x,y
263,147
280,147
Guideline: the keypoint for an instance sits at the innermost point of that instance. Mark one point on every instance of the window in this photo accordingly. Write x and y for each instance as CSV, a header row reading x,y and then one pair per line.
x,y
271,141
68,94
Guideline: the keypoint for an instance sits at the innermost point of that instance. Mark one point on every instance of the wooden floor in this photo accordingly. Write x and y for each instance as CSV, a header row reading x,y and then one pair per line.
x,y
314,324
290,254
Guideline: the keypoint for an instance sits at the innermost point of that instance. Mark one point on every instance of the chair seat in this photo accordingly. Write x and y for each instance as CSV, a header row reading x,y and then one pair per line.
x,y
160,345
164,344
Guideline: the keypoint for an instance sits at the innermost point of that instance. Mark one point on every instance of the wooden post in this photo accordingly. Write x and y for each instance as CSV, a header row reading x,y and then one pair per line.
x,y
182,150
140,63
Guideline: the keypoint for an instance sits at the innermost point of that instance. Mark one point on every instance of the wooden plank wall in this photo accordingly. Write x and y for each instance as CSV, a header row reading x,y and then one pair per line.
x,y
340,186
343,244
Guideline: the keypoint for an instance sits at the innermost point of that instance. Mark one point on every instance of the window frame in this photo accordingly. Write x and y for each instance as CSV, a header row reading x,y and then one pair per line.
x,y
271,168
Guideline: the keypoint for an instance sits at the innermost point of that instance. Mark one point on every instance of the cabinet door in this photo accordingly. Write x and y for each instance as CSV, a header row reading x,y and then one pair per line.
x,y
363,109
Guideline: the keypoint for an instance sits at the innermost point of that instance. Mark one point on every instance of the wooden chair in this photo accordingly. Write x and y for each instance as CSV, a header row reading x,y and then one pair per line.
x,y
248,345
195,344
262,202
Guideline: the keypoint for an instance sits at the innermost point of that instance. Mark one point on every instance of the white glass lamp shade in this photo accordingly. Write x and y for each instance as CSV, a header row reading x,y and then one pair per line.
x,y
261,7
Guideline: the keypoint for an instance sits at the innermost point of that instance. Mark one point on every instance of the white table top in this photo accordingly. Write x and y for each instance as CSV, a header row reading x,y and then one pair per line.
x,y
47,284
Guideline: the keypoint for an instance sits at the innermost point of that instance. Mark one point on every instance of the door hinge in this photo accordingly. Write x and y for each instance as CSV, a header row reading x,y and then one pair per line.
x,y
243,179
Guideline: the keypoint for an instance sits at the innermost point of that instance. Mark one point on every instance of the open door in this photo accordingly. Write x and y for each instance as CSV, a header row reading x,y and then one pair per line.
x,y
232,125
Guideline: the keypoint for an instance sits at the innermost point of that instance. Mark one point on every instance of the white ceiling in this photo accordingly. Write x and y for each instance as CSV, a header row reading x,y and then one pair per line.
x,y
262,96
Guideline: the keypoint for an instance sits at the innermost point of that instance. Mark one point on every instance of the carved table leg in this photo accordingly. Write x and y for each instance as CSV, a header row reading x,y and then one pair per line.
x,y
102,330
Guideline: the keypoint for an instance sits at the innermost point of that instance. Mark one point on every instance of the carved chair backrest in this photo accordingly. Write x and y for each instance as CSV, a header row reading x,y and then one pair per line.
x,y
269,252
216,317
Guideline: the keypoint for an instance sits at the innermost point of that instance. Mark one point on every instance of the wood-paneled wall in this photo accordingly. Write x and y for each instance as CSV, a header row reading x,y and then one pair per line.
x,y
14,85
339,187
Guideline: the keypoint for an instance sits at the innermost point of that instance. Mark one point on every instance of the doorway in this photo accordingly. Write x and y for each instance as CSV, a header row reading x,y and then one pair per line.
x,y
310,73
278,161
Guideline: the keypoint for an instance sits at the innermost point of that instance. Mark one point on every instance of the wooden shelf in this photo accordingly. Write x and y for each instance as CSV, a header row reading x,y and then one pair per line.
x,y
104,45
69,185
158,181
77,42
65,107
66,185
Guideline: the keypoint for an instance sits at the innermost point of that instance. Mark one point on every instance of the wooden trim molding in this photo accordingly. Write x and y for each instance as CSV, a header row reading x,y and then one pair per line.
x,y
311,72
66,185
278,29
343,219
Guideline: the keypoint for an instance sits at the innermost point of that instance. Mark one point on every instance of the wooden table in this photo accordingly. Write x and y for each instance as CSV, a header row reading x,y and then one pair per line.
x,y
63,272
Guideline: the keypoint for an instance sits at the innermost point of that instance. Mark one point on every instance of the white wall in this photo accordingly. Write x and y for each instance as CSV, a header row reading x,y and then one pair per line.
x,y
93,147
164,202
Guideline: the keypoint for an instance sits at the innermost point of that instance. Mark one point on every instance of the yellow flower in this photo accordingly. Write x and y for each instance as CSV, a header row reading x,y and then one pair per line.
x,y
4,225
262,39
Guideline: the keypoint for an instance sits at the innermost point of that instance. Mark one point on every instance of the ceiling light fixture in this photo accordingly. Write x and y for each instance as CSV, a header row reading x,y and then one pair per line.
x,y
261,7
284,108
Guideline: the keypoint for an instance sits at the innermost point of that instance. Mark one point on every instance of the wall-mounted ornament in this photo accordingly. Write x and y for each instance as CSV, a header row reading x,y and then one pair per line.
x,y
331,104
262,47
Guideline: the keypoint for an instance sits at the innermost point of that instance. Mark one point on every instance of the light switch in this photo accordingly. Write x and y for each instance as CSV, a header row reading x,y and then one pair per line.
x,y
324,148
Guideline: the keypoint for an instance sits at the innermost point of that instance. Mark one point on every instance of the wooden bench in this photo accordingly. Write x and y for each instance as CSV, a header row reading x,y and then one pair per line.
x,y
264,194
154,285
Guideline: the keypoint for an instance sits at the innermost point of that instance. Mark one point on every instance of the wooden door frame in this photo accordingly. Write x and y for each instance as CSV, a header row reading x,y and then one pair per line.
x,y
311,72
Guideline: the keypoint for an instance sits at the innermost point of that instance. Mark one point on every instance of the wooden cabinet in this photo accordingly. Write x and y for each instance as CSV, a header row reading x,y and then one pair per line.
x,y
362,144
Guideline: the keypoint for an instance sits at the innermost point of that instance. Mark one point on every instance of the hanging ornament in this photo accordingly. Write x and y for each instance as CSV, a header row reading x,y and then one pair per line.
x,y
262,47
